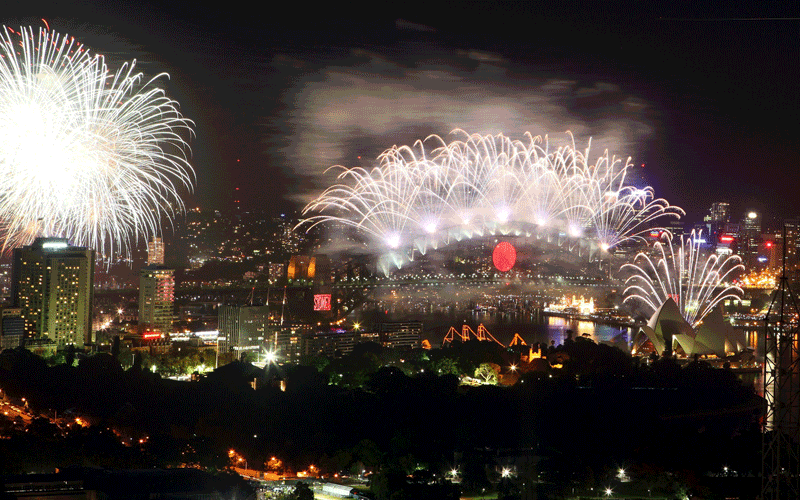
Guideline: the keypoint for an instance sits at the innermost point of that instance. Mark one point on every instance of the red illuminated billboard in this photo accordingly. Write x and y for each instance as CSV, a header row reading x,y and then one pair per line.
x,y
322,302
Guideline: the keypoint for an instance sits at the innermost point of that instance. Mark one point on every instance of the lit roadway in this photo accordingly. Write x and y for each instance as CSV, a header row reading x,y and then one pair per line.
x,y
12,411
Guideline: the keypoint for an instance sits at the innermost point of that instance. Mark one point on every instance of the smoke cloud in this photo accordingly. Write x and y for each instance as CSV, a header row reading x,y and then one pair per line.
x,y
361,106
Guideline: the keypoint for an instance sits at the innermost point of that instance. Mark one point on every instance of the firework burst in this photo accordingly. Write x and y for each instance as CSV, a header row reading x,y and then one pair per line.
x,y
85,153
420,196
697,283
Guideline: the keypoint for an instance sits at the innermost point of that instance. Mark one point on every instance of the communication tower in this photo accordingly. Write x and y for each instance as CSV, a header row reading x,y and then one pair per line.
x,y
780,444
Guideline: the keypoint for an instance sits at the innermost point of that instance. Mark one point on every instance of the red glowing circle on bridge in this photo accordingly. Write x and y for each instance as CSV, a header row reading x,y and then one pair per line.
x,y
504,256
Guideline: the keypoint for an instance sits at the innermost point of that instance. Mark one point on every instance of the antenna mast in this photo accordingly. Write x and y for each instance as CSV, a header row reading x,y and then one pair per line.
x,y
780,440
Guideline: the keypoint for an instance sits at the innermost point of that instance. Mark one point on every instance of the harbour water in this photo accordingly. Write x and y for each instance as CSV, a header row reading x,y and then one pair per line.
x,y
544,328
541,327
535,327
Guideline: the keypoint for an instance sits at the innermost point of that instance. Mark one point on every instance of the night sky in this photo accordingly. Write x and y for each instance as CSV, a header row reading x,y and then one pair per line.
x,y
706,98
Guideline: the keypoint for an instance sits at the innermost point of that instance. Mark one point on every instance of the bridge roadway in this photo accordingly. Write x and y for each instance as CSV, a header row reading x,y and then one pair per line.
x,y
245,289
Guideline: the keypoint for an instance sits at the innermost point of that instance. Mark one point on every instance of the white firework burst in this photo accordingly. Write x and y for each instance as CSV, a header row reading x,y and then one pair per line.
x,y
86,153
696,282
489,184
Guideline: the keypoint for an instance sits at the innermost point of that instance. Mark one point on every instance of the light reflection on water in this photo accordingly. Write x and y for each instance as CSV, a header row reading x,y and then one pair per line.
x,y
546,329
540,328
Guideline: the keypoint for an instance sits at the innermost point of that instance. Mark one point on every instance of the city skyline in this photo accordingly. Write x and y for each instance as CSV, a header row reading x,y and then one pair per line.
x,y
494,298
700,96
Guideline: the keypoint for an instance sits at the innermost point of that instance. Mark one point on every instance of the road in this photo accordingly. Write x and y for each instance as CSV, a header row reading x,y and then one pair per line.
x,y
12,411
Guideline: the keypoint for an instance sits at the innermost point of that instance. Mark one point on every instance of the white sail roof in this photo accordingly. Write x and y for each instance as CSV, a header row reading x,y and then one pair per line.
x,y
712,336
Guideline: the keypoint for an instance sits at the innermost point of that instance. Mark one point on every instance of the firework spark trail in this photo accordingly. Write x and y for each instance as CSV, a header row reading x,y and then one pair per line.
x,y
485,184
87,154
697,284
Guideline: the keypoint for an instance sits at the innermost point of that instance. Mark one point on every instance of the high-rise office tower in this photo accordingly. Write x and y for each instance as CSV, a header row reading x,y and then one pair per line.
x,y
243,326
156,298
286,342
12,328
750,238
792,243
720,212
155,252
52,285
716,220
751,224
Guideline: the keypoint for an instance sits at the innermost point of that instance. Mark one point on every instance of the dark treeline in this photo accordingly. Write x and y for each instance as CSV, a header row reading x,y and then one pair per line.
x,y
601,411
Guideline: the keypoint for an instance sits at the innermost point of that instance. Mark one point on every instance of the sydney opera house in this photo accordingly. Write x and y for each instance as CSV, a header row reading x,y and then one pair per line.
x,y
668,331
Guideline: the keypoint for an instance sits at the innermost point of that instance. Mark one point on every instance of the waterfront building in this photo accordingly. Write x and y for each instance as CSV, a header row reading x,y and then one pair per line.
x,y
668,331
400,334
